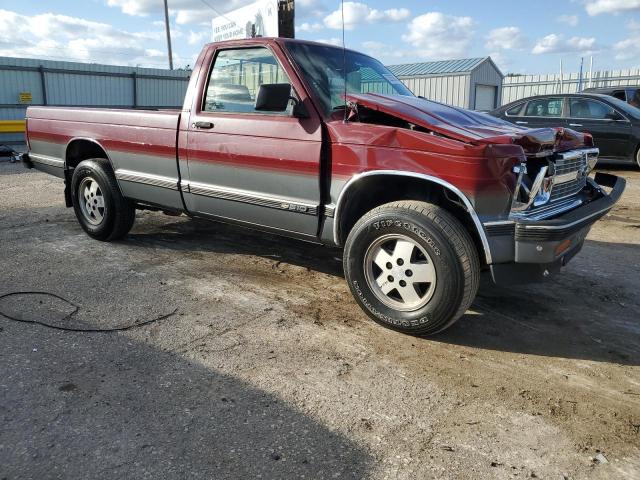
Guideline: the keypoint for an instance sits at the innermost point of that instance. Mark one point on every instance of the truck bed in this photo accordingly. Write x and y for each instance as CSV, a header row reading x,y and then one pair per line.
x,y
136,142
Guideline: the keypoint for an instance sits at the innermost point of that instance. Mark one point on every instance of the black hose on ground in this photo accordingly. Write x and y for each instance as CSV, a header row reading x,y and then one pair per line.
x,y
76,309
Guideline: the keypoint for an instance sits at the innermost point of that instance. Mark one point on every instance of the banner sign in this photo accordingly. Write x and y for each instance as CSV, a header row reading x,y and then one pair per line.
x,y
260,19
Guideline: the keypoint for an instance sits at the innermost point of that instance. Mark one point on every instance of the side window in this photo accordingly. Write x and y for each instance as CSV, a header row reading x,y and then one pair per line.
x,y
584,108
514,111
620,94
544,107
236,77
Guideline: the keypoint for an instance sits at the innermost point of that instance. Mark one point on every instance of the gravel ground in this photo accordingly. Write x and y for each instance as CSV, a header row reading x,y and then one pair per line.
x,y
268,369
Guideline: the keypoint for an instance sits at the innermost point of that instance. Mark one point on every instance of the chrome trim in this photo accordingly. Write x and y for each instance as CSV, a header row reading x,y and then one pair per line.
x,y
566,177
499,222
566,225
245,196
46,160
147,179
329,211
549,210
577,154
447,185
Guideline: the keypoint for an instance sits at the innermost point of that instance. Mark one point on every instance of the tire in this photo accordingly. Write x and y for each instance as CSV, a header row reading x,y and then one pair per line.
x,y
423,246
103,213
638,156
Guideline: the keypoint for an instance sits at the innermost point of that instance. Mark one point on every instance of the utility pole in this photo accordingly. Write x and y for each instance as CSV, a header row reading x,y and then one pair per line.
x,y
166,22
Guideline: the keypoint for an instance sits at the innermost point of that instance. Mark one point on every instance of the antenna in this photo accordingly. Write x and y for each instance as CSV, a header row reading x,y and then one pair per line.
x,y
344,64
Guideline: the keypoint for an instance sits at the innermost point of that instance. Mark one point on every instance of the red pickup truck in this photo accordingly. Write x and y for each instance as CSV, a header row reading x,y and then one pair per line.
x,y
309,141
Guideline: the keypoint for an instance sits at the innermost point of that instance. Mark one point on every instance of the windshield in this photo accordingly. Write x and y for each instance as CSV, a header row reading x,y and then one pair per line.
x,y
625,108
322,65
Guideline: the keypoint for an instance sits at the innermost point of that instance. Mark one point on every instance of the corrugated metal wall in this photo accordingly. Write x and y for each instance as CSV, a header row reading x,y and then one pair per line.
x,y
70,83
450,89
515,88
485,74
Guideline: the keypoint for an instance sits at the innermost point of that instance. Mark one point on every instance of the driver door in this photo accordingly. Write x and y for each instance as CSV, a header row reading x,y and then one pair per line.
x,y
253,167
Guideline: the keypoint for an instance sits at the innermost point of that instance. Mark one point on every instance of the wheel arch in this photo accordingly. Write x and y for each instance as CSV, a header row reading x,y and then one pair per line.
x,y
83,148
77,150
347,211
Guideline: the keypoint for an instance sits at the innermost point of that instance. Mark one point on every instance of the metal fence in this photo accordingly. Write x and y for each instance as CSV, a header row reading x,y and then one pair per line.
x,y
25,82
517,87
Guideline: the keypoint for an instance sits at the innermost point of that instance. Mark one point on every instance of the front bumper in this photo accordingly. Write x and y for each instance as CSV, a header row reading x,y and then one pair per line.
x,y
541,248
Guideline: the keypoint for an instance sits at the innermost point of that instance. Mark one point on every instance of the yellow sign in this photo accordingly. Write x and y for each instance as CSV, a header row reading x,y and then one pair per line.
x,y
25,97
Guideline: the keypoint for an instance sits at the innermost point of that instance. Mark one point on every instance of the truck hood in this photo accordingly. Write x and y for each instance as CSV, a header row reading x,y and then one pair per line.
x,y
472,127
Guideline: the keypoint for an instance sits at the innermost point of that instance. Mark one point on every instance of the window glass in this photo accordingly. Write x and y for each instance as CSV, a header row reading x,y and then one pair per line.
x,y
584,108
620,94
544,107
513,111
633,97
236,76
323,67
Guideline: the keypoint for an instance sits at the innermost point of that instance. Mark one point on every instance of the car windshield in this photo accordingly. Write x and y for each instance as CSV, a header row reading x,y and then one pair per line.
x,y
625,108
323,66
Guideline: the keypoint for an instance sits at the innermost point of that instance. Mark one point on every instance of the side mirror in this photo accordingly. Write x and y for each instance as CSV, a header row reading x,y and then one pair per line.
x,y
273,97
299,110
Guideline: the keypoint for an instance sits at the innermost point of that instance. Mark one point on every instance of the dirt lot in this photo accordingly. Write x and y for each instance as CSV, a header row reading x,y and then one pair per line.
x,y
268,369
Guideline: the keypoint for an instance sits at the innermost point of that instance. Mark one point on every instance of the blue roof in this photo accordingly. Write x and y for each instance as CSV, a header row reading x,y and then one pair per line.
x,y
465,65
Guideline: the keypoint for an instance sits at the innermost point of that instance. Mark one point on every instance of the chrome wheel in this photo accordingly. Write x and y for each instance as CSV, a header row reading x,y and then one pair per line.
x,y
91,201
400,272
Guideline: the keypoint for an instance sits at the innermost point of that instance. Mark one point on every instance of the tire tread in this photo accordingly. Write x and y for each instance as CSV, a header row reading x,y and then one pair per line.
x,y
461,241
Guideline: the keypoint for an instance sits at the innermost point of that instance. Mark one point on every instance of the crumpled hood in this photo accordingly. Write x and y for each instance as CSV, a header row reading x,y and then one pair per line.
x,y
469,126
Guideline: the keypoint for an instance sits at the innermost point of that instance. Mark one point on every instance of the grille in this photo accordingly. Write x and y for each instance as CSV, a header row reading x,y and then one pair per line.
x,y
569,166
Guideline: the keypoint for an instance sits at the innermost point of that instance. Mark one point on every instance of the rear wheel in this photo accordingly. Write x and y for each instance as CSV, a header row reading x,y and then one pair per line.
x,y
412,267
638,156
99,206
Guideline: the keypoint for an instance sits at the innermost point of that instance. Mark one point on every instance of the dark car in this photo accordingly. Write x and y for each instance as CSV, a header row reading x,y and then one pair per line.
x,y
614,124
629,94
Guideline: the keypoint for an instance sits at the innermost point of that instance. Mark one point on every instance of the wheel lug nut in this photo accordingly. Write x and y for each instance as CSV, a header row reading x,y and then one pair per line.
x,y
408,273
403,283
389,266
400,262
390,278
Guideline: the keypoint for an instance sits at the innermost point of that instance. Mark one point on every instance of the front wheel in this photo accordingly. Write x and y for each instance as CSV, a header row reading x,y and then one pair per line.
x,y
412,267
100,208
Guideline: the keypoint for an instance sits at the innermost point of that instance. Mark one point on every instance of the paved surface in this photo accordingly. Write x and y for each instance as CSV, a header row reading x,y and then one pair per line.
x,y
270,370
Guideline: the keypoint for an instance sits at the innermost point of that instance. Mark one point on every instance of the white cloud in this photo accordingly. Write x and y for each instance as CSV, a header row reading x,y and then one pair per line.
x,y
396,14
60,37
184,11
506,38
629,48
597,7
438,36
356,13
310,8
198,38
555,43
571,20
309,27
331,41
503,63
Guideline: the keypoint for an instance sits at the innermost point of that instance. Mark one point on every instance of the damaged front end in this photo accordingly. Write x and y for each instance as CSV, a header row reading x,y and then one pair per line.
x,y
550,185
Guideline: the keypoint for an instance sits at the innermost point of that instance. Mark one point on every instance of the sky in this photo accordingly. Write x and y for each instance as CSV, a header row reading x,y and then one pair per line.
x,y
521,36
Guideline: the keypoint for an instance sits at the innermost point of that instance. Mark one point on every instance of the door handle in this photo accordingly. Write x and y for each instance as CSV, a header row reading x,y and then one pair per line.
x,y
522,123
205,125
575,125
